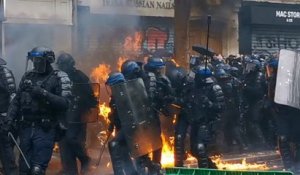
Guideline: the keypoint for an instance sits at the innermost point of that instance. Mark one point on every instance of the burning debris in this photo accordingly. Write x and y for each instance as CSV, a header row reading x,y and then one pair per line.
x,y
167,158
222,165
100,73
104,111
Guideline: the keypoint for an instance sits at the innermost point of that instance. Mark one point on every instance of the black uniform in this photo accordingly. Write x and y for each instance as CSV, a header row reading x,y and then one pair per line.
x,y
39,106
72,146
7,93
201,106
231,118
253,92
287,126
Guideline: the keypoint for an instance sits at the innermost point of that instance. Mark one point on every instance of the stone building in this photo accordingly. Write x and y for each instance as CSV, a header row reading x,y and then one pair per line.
x,y
232,31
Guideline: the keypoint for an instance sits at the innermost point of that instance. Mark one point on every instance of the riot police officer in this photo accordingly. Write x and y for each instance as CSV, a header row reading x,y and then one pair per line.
x,y
163,93
253,91
132,70
230,117
118,148
7,93
40,102
287,122
72,146
201,102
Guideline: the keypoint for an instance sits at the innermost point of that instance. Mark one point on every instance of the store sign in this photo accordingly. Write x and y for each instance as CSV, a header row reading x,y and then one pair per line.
x,y
289,16
163,8
276,15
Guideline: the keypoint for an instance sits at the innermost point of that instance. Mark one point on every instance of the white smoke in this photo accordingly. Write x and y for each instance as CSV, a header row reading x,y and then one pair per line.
x,y
92,41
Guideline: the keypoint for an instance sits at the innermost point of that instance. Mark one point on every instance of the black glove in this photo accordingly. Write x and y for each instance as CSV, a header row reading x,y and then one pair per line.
x,y
5,126
38,91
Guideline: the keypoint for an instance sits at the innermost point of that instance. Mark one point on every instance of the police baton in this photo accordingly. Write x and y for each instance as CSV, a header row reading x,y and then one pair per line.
x,y
18,147
102,149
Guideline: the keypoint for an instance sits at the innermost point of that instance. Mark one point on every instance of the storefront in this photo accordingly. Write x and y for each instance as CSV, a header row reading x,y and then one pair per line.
x,y
110,29
268,27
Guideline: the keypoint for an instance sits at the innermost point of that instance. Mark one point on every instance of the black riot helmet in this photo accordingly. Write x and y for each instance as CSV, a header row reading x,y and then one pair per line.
x,y
42,57
65,62
155,65
131,69
203,76
252,65
221,74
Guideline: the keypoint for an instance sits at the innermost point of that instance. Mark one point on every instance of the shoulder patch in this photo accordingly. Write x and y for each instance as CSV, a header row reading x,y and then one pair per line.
x,y
66,84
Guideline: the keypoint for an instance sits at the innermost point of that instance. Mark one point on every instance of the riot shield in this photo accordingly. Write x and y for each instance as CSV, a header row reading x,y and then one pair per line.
x,y
92,115
138,122
287,91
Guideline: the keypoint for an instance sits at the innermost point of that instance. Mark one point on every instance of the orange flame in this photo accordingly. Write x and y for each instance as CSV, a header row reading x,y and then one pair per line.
x,y
133,43
121,60
238,166
104,111
167,158
100,73
56,148
177,65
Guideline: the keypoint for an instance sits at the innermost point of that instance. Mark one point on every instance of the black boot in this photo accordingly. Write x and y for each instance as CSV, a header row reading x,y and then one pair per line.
x,y
285,152
142,164
114,150
179,151
202,157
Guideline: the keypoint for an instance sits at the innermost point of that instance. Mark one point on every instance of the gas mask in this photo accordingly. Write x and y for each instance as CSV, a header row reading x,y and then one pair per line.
x,y
39,64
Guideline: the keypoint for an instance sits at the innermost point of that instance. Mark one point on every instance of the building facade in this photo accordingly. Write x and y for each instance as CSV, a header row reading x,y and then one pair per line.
x,y
237,27
110,29
266,27
33,23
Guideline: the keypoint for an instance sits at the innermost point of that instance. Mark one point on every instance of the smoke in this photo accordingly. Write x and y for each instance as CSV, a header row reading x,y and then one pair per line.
x,y
96,38
101,39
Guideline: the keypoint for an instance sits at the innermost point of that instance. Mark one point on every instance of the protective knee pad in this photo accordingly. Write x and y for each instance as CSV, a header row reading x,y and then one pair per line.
x,y
37,170
202,156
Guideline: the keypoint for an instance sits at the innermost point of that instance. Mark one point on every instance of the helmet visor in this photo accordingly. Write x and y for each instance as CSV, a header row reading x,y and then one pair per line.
x,y
249,67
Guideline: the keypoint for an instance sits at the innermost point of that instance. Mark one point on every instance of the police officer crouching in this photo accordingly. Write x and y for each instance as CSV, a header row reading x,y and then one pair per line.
x,y
72,146
40,102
